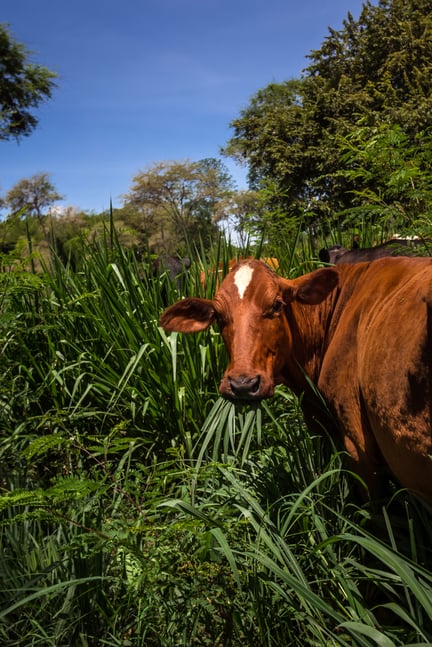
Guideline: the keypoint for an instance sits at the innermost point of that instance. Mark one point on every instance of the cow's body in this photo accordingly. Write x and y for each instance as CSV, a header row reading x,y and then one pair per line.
x,y
361,333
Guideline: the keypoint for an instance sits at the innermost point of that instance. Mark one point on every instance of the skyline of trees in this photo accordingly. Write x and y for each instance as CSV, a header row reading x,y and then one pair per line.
x,y
348,142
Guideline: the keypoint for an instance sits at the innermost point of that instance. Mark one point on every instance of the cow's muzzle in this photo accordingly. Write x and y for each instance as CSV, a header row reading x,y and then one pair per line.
x,y
243,387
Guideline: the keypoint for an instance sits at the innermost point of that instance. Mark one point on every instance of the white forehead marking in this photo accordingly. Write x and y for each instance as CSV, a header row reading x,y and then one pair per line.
x,y
242,278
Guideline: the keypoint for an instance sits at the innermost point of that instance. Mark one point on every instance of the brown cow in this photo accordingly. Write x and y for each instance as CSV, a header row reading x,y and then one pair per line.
x,y
361,333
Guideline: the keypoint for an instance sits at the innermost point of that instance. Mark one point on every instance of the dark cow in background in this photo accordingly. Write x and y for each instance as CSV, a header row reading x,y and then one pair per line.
x,y
393,247
175,268
170,272
361,333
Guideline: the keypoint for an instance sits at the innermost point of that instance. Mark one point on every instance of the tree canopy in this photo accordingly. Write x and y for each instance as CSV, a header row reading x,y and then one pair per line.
x,y
31,197
369,81
178,201
23,86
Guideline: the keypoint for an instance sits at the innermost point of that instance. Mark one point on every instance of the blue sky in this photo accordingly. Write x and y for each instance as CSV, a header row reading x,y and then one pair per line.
x,y
142,81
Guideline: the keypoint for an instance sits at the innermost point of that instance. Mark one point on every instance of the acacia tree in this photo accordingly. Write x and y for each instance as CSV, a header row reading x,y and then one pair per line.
x,y
23,86
178,201
32,197
375,71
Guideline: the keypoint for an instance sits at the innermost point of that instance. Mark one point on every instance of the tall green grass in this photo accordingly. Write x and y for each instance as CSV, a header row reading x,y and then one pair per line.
x,y
138,508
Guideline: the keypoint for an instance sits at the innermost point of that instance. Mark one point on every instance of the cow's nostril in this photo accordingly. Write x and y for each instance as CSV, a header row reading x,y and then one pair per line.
x,y
244,387
256,385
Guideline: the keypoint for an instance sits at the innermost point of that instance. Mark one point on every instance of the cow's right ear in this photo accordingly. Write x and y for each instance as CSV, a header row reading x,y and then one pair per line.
x,y
310,288
316,286
188,315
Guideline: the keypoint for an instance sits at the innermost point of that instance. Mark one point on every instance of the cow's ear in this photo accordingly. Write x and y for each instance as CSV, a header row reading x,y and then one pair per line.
x,y
188,315
311,288
324,255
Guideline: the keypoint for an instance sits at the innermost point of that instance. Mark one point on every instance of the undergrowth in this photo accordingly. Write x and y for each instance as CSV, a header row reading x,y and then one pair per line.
x,y
138,508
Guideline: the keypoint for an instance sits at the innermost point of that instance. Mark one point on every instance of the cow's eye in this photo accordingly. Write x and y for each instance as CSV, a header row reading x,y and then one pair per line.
x,y
276,308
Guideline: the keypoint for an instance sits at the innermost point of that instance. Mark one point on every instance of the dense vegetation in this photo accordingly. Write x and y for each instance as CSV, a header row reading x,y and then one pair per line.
x,y
352,138
170,206
138,508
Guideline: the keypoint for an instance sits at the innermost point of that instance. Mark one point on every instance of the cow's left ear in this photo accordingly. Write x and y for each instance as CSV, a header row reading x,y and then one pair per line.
x,y
311,288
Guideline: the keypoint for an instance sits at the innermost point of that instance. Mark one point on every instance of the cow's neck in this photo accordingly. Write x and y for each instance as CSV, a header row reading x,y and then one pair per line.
x,y
309,327
313,328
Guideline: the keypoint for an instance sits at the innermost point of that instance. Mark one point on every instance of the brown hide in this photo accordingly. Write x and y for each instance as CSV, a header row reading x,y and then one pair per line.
x,y
361,333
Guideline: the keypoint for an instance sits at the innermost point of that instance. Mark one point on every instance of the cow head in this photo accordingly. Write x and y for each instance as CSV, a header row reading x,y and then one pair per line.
x,y
333,254
252,309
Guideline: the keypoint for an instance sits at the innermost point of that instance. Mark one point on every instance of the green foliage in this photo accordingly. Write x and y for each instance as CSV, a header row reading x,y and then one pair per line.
x,y
367,84
177,202
266,130
32,196
171,207
389,177
139,509
23,86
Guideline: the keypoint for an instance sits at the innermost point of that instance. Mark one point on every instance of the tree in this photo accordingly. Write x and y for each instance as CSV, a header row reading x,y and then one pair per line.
x,y
178,201
374,72
265,130
390,176
246,214
23,86
32,196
